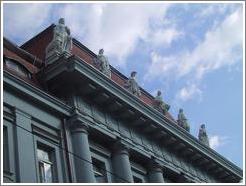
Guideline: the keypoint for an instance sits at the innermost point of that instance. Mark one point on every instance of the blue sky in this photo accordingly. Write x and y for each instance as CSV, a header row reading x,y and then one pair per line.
x,y
193,53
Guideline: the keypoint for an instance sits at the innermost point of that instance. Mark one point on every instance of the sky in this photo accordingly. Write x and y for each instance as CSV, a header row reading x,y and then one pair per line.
x,y
192,52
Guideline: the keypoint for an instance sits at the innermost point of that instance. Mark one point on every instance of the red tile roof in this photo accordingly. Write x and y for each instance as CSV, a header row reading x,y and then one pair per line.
x,y
30,67
11,54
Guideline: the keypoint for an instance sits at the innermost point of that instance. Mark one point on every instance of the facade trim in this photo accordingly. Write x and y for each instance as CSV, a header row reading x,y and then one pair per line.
x,y
43,98
75,64
78,65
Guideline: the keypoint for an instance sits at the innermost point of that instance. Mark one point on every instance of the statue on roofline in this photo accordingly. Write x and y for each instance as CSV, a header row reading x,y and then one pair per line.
x,y
61,42
159,104
182,121
101,61
68,43
132,85
202,136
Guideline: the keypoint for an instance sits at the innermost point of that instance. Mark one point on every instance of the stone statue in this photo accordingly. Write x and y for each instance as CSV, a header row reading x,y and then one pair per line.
x,y
132,85
61,42
182,121
159,103
68,42
101,61
202,136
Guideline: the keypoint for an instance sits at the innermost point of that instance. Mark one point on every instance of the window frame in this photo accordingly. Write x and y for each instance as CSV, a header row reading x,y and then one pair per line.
x,y
105,175
6,161
8,121
103,156
55,157
19,68
50,162
139,172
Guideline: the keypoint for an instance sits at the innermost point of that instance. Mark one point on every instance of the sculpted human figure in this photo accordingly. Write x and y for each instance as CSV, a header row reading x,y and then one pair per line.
x,y
102,62
62,40
68,41
202,136
159,103
132,85
182,121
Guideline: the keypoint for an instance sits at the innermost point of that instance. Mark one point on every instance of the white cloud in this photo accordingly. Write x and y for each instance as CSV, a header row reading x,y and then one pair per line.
x,y
115,27
189,92
212,9
163,37
160,66
24,19
216,141
118,27
221,47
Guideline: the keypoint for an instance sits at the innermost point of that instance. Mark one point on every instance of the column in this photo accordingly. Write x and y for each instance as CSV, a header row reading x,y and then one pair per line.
x,y
155,173
82,154
121,163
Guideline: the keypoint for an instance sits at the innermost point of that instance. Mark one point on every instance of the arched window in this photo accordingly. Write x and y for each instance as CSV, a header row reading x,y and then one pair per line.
x,y
17,67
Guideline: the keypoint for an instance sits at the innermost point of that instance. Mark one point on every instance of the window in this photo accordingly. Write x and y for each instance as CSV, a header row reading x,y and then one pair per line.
x,y
8,148
45,165
19,68
5,150
99,171
138,173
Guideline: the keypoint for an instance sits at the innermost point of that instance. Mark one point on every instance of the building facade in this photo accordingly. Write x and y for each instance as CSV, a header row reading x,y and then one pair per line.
x,y
66,121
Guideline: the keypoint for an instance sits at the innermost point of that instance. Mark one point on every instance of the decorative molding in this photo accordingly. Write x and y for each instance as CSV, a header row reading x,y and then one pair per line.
x,y
77,65
164,123
38,95
77,124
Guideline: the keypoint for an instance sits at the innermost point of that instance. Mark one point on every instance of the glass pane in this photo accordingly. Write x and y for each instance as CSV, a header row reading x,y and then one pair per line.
x,y
43,155
45,172
22,72
17,67
99,171
12,65
48,173
45,165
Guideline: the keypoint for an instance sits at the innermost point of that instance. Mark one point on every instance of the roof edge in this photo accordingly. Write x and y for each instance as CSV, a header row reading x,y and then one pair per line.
x,y
23,46
23,53
83,47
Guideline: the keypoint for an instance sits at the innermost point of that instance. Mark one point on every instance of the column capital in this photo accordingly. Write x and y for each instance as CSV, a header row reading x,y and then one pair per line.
x,y
77,125
120,148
